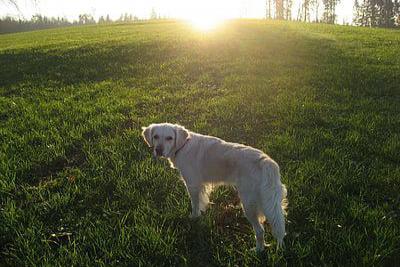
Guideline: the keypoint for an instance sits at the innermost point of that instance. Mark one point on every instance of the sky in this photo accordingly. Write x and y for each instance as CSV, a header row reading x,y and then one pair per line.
x,y
201,9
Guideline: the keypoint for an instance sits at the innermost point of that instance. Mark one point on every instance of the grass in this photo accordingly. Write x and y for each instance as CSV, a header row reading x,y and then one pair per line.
x,y
78,185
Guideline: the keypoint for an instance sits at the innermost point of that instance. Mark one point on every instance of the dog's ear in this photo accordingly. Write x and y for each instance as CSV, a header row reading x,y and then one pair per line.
x,y
181,135
146,133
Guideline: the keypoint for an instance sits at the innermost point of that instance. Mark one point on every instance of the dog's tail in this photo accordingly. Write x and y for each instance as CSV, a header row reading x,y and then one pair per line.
x,y
274,203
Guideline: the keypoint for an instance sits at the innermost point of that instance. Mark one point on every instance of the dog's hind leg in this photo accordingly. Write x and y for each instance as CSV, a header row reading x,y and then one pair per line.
x,y
250,208
273,207
273,200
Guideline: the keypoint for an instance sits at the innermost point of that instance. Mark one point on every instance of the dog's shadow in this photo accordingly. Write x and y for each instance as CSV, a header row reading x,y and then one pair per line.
x,y
220,230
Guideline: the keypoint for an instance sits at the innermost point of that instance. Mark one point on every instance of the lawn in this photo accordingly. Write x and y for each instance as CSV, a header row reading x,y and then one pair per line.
x,y
78,185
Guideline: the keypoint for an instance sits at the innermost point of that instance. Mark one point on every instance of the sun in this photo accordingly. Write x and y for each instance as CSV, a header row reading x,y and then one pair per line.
x,y
206,15
205,24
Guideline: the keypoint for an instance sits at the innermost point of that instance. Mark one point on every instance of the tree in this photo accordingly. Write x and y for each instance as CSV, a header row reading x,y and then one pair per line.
x,y
387,14
305,10
102,20
153,13
279,9
329,15
316,8
377,13
86,19
283,9
268,13
397,12
288,9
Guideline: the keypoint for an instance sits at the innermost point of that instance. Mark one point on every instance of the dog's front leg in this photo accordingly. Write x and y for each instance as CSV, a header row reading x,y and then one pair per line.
x,y
194,193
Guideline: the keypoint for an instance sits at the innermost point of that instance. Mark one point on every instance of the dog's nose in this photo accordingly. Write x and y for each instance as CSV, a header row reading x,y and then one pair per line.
x,y
159,151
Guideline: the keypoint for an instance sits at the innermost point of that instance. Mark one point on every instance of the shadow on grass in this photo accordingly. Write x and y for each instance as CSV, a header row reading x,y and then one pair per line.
x,y
91,63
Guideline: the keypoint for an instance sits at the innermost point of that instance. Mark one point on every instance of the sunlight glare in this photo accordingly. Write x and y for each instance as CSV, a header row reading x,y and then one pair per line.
x,y
205,24
207,15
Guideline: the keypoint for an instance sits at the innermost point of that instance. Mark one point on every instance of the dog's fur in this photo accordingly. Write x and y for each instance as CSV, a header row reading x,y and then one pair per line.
x,y
206,161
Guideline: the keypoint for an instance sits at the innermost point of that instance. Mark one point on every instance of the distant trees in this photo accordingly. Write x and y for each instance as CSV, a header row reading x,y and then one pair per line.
x,y
153,13
287,9
11,24
102,20
368,13
289,6
125,18
316,8
268,12
86,19
377,13
305,10
306,7
282,9
371,13
329,15
279,9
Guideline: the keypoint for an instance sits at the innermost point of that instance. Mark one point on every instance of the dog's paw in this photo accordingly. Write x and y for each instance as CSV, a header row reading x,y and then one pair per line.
x,y
258,250
194,215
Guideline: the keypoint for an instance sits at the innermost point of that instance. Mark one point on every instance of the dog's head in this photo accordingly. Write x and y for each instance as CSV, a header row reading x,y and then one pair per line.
x,y
165,138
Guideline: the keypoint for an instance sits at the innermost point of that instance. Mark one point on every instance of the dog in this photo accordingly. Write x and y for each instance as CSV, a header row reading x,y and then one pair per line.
x,y
206,161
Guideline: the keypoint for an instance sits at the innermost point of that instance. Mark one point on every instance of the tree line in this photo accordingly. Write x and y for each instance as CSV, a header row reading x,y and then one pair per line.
x,y
10,24
369,13
377,13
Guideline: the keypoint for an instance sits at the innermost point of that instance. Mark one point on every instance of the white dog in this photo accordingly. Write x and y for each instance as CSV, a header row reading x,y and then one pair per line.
x,y
206,161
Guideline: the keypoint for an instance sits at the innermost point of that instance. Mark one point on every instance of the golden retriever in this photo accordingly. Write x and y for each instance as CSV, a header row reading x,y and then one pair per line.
x,y
205,161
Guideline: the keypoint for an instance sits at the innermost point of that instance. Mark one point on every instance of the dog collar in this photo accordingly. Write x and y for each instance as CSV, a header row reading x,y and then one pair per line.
x,y
176,152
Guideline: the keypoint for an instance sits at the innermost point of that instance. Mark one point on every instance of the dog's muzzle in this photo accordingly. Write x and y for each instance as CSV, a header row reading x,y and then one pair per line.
x,y
159,151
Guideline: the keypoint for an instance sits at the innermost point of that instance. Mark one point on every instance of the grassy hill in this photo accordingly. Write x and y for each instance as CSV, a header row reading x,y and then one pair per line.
x,y
78,185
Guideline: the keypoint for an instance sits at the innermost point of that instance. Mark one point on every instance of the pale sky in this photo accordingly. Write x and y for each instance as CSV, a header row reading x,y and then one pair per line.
x,y
142,8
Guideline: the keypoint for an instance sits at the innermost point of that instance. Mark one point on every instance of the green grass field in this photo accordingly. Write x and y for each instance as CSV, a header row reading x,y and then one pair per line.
x,y
78,185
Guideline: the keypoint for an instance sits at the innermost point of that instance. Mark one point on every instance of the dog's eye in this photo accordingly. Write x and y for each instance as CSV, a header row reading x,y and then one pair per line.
x,y
168,138
155,137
